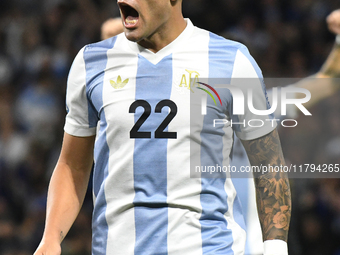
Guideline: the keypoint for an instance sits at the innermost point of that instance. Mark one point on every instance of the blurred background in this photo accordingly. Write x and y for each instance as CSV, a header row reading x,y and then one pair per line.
x,y
38,41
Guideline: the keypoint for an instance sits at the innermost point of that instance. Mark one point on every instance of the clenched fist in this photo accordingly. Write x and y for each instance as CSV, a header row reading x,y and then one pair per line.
x,y
333,21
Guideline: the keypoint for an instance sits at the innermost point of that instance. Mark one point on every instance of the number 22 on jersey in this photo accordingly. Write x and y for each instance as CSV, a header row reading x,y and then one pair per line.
x,y
159,132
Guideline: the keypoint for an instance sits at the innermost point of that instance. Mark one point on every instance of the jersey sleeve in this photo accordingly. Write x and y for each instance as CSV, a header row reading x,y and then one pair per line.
x,y
78,116
247,77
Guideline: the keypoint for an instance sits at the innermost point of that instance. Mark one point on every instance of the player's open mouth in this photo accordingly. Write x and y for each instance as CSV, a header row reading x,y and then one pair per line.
x,y
130,15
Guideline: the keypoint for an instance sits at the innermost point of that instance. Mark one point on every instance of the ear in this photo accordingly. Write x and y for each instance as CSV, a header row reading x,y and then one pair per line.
x,y
173,2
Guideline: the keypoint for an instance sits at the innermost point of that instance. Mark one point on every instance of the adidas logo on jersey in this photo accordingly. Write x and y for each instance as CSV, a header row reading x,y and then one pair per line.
x,y
119,84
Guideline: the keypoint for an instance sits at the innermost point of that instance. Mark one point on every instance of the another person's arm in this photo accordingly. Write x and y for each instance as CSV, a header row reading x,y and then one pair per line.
x,y
331,67
324,83
66,191
272,190
111,27
333,21
322,88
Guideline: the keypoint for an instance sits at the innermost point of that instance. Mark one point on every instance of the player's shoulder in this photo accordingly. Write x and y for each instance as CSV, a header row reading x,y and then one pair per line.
x,y
103,45
217,41
97,51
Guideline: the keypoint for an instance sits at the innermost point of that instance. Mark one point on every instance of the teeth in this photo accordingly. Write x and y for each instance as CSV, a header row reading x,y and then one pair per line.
x,y
130,22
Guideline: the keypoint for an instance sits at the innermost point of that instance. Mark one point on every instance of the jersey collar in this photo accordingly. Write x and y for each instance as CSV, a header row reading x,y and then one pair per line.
x,y
154,58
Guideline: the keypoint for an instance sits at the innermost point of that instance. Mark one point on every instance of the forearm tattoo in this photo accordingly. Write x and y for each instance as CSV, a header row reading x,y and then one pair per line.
x,y
272,188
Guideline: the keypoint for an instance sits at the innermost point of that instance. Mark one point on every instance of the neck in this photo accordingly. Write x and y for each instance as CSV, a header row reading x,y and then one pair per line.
x,y
165,34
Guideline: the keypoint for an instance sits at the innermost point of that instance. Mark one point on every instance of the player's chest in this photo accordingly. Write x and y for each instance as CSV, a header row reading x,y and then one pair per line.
x,y
146,97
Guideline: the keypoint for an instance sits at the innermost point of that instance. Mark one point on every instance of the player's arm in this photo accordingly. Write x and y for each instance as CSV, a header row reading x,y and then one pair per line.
x,y
66,191
272,188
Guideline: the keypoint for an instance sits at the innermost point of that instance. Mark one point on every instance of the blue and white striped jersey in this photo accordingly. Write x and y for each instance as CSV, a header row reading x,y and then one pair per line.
x,y
145,201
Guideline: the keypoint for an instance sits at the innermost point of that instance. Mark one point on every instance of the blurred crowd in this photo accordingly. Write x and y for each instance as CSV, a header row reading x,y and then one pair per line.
x,y
38,41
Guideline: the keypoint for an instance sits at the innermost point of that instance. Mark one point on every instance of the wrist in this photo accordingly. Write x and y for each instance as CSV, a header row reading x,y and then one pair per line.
x,y
48,240
52,236
275,247
337,40
48,248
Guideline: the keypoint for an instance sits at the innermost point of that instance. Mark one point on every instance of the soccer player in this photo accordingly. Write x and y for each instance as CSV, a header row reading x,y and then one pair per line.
x,y
319,89
145,200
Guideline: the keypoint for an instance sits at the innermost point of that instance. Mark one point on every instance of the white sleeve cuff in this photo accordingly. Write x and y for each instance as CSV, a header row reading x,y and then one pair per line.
x,y
79,131
275,247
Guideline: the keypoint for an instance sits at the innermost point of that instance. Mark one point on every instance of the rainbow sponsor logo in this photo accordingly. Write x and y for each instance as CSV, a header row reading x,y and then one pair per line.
x,y
209,93
204,98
